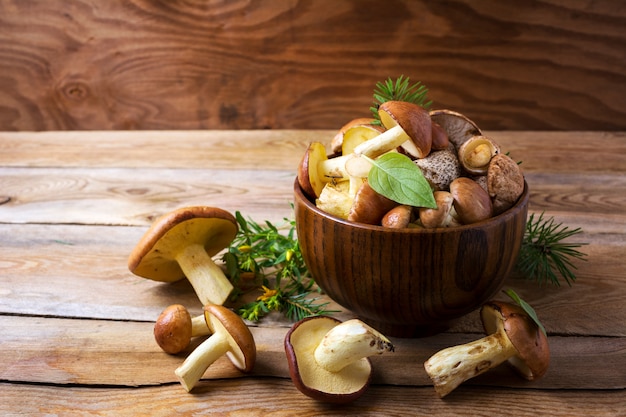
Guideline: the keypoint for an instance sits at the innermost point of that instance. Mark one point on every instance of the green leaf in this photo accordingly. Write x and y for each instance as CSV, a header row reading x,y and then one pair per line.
x,y
527,308
396,177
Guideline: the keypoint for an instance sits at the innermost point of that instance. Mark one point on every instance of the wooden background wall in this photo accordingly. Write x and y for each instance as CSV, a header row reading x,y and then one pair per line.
x,y
248,64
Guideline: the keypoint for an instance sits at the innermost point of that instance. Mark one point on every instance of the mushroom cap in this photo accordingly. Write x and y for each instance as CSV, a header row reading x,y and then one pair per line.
x,y
308,175
441,216
398,217
154,257
242,352
505,182
309,377
415,122
440,168
361,126
533,350
476,153
440,137
471,201
369,207
172,330
458,127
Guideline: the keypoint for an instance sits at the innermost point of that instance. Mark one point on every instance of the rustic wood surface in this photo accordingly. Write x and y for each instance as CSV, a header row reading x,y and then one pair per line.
x,y
77,325
147,64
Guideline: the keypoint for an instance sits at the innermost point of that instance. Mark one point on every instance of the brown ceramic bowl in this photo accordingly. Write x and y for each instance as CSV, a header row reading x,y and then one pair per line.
x,y
409,282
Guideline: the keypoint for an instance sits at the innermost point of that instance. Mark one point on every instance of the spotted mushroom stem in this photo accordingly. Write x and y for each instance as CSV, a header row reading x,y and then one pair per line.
x,y
452,366
348,342
207,278
198,361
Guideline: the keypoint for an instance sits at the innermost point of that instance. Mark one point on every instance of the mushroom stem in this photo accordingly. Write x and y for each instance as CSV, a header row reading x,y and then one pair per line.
x,y
196,364
348,342
386,141
208,279
450,367
199,327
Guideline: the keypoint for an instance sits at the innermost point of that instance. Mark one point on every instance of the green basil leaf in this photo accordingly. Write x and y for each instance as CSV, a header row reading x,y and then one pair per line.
x,y
396,177
527,308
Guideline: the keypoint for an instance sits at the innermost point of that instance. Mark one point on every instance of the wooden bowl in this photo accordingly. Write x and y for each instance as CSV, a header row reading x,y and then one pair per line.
x,y
409,282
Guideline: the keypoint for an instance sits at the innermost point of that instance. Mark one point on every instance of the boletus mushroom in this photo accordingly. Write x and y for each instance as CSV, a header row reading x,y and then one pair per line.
x,y
180,244
328,359
512,336
229,336
174,328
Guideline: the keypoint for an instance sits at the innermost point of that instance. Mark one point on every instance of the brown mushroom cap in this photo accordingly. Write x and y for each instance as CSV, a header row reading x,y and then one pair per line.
x,y
458,127
369,207
533,352
309,377
398,217
162,249
443,215
505,182
172,330
414,121
471,201
308,176
242,352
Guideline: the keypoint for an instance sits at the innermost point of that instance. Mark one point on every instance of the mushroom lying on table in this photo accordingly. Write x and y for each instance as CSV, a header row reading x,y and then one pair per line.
x,y
229,336
180,244
512,336
174,328
328,359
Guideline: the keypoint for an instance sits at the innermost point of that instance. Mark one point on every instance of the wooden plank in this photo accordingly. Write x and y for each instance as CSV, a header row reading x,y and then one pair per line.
x,y
278,397
64,351
79,64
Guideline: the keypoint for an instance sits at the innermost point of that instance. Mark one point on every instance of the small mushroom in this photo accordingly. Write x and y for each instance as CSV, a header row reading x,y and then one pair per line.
x,y
328,360
180,244
408,125
440,168
369,207
174,328
398,217
512,336
229,336
476,153
505,182
458,127
439,137
443,216
315,170
471,201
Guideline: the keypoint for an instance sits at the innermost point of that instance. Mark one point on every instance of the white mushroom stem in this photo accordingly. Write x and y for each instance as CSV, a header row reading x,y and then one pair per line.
x,y
348,342
199,327
452,366
196,364
383,143
207,278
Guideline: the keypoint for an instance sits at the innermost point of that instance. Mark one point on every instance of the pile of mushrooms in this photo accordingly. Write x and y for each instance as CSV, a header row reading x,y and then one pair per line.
x,y
181,244
472,180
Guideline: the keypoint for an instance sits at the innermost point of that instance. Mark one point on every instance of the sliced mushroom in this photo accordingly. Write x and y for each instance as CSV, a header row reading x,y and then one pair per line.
x,y
458,127
408,125
174,328
328,360
476,153
180,244
505,182
512,336
335,199
353,134
471,201
440,168
315,170
229,336
443,216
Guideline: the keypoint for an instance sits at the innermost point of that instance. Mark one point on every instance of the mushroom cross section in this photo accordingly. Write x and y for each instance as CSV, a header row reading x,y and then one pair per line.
x,y
180,244
512,336
329,360
229,336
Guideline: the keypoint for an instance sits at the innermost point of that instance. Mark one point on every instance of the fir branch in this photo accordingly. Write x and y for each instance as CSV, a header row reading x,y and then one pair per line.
x,y
400,90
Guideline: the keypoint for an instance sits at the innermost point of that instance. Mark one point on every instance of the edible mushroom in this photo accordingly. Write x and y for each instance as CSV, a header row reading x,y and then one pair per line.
x,y
329,360
471,201
368,206
399,217
505,182
458,126
180,244
353,133
174,328
476,153
408,125
512,336
230,336
442,216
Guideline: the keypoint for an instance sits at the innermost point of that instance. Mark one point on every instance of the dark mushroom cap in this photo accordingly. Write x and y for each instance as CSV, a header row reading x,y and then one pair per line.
x,y
414,121
343,386
505,182
471,201
458,126
172,330
369,207
531,343
242,351
154,257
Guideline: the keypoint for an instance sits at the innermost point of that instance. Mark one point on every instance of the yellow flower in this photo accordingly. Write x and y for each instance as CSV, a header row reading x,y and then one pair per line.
x,y
267,294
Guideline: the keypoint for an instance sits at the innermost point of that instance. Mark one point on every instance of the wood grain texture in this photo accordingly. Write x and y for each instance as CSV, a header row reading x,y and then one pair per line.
x,y
147,64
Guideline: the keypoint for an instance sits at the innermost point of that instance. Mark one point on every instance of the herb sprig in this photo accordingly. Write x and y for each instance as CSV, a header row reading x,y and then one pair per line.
x,y
400,90
543,256
264,257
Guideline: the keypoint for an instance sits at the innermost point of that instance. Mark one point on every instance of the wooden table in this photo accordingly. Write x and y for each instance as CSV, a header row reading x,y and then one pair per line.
x,y
76,325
